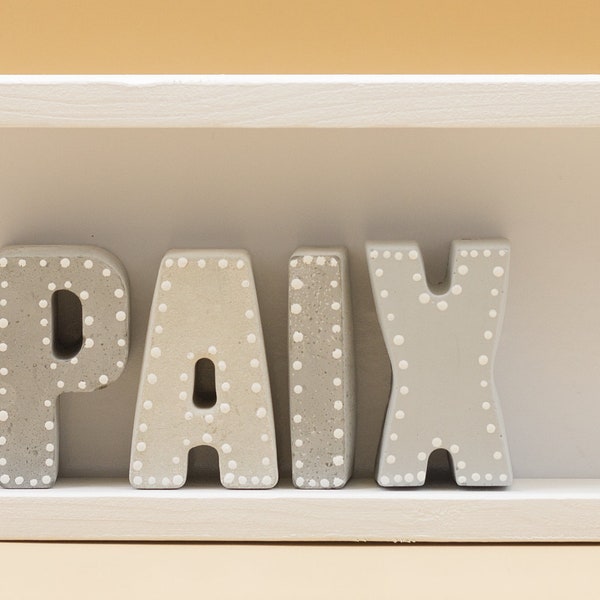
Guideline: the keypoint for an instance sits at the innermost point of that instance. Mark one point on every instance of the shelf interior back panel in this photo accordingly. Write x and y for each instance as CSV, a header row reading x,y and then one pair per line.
x,y
140,192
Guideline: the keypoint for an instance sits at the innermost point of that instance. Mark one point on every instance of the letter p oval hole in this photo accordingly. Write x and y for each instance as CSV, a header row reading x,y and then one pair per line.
x,y
64,327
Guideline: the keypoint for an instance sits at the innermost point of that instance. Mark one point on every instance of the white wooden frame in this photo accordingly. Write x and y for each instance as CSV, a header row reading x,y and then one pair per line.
x,y
103,509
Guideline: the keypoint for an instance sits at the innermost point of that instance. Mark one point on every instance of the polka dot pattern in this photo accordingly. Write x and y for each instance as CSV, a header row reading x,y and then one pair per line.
x,y
442,345
207,310
31,375
321,369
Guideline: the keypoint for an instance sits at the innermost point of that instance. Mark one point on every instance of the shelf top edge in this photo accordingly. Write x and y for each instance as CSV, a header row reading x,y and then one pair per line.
x,y
299,101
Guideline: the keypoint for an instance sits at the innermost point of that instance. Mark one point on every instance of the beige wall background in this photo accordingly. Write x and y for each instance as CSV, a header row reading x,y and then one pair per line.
x,y
300,36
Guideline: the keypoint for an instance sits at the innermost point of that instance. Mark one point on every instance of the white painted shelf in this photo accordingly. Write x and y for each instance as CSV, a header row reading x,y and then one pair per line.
x,y
542,510
405,169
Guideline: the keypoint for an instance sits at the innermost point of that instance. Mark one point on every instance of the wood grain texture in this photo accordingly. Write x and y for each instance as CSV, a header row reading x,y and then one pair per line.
x,y
268,101
530,511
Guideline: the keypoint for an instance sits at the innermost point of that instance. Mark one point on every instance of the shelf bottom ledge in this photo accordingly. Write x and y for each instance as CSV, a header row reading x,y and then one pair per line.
x,y
532,510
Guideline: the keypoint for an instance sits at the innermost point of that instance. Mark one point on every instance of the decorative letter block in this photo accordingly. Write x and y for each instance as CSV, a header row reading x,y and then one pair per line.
x,y
204,323
35,364
442,346
321,363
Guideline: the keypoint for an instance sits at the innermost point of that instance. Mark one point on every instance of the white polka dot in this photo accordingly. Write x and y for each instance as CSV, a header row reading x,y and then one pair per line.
x,y
442,305
456,289
137,465
399,414
384,293
264,437
51,286
49,462
487,253
338,405
493,313
336,306
497,455
421,476
155,352
251,338
297,336
143,427
84,295
485,405
261,413
417,277
256,387
120,342
222,365
4,479
475,476
88,264
463,269
474,254
245,283
201,263
2,440
183,396
503,477
494,292
488,335
296,309
398,340
152,378
461,464
461,479
140,446
223,407
491,428
254,363
106,272
378,272
46,479
65,262
190,355
483,383
162,307
68,285
498,271
298,443
297,418
60,384
165,286
424,298
298,389
338,434
409,478
403,365
249,314
182,262
338,460
398,255
212,350
299,464
454,448
373,254
336,328
390,459
390,316
297,365
49,425
43,303
333,283
49,447
3,415
422,456
337,353
82,385
403,390
46,341
436,442
223,263
89,321
483,360
226,386
384,480
3,371
413,255
297,284
207,438
307,260
337,381
120,316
